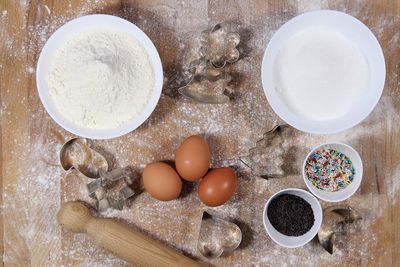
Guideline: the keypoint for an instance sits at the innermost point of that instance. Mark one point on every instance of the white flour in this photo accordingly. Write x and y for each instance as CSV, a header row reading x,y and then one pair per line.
x,y
321,74
101,79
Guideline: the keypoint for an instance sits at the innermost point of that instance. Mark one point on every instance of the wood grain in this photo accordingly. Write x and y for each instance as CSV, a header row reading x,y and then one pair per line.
x,y
33,186
128,244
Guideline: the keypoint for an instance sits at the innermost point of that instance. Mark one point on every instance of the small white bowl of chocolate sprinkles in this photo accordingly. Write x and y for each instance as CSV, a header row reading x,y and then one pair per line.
x,y
292,217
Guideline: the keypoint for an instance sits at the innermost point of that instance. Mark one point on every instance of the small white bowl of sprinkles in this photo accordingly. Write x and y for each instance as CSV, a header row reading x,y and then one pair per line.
x,y
333,171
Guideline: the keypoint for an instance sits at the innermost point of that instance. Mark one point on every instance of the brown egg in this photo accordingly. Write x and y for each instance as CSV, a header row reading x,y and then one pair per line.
x,y
161,181
217,187
193,158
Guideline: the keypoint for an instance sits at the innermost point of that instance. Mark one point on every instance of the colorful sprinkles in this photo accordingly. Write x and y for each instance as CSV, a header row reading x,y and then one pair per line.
x,y
329,170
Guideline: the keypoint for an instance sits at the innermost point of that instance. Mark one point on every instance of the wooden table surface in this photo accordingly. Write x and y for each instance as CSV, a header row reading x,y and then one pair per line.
x,y
33,185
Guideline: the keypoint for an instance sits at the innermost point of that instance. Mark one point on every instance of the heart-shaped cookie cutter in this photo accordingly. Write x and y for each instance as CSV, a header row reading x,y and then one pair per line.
x,y
217,236
77,155
338,222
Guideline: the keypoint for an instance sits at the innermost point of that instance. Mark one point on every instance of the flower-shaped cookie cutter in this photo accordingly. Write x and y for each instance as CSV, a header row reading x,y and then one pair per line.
x,y
77,155
217,236
266,158
338,222
204,79
219,46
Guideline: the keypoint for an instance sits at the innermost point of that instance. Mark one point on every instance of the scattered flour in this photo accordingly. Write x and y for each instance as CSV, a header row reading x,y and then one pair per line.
x,y
234,128
101,79
309,5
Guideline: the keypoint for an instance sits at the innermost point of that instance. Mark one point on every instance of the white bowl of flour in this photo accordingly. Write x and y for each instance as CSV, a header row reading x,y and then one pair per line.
x,y
99,76
323,72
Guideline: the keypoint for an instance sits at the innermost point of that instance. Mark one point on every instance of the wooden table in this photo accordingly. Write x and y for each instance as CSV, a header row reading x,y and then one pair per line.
x,y
33,185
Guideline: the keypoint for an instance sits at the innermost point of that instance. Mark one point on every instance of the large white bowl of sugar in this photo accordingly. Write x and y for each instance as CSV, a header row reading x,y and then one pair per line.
x,y
323,72
99,76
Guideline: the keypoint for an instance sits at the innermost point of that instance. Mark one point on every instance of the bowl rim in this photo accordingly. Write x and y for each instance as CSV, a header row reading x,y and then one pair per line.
x,y
315,190
319,210
135,122
312,126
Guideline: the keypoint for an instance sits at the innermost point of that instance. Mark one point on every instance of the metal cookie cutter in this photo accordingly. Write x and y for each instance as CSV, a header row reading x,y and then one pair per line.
x,y
76,154
206,84
98,190
205,79
217,236
265,159
219,46
338,222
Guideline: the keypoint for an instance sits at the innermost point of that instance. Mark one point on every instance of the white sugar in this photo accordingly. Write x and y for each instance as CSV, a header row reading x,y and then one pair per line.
x,y
321,75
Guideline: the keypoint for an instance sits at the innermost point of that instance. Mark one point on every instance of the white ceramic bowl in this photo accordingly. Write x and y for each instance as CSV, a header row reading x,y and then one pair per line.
x,y
66,32
353,30
294,241
349,190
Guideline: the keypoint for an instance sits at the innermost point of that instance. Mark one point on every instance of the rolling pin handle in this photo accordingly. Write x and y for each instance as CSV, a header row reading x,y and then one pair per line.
x,y
126,243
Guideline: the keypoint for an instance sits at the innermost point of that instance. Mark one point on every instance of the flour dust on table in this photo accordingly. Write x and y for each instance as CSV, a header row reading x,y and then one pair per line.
x,y
215,121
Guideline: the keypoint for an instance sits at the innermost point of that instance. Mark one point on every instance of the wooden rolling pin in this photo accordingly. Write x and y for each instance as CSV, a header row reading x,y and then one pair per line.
x,y
126,243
